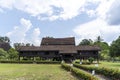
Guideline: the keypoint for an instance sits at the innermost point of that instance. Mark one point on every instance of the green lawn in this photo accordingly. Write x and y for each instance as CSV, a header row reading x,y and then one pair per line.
x,y
115,65
110,64
33,72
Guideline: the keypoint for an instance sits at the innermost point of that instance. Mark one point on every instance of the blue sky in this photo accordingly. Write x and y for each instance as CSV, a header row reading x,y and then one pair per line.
x,y
28,21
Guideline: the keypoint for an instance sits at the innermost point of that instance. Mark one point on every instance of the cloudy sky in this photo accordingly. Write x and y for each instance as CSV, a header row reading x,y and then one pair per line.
x,y
30,20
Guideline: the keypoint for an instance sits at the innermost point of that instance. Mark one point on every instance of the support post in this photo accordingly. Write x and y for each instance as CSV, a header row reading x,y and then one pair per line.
x,y
19,58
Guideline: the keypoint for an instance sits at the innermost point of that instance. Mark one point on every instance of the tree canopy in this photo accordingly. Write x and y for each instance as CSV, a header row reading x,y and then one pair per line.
x,y
99,39
3,53
86,42
12,54
104,54
115,48
4,39
17,45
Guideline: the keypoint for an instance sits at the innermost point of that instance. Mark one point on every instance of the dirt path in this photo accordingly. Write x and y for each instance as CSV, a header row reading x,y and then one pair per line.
x,y
101,77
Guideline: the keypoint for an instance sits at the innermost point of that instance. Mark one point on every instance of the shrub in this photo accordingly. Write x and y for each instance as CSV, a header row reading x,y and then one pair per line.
x,y
113,74
30,62
79,73
91,59
82,74
82,62
12,61
48,62
66,67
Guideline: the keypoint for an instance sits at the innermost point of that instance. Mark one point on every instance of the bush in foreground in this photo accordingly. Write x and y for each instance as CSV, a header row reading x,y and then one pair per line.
x,y
113,74
79,73
31,62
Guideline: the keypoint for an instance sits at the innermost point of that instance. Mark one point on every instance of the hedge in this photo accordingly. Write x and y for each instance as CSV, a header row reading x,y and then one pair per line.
x,y
82,62
48,62
30,62
11,61
79,73
111,73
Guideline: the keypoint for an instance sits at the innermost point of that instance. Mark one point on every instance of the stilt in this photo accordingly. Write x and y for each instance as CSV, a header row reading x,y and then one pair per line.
x,y
19,58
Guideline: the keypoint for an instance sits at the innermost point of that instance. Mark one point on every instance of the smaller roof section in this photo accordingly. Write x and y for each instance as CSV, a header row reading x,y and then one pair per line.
x,y
58,41
88,48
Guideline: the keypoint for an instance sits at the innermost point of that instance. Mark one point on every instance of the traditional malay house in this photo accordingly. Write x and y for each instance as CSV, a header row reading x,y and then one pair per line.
x,y
59,49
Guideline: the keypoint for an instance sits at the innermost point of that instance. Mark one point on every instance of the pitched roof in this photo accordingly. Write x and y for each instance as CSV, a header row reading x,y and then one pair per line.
x,y
58,41
61,48
88,47
63,45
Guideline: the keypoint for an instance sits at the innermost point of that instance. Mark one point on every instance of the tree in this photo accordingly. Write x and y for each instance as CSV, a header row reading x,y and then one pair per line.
x,y
27,44
4,39
99,39
17,45
12,54
48,37
86,42
3,54
104,54
115,48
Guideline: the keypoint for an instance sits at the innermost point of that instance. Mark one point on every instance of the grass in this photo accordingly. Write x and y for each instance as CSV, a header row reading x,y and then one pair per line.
x,y
115,65
110,64
33,72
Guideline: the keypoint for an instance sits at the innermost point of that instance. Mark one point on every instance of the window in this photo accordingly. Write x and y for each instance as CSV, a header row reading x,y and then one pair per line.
x,y
94,53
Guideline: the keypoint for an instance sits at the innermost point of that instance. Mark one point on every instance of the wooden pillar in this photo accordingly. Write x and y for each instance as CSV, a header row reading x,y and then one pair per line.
x,y
97,59
33,58
19,58
61,57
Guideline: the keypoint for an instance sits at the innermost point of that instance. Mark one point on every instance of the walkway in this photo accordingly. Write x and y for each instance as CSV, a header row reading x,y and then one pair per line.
x,y
101,77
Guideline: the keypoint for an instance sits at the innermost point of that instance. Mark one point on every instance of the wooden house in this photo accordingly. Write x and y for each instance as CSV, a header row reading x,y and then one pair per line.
x,y
59,49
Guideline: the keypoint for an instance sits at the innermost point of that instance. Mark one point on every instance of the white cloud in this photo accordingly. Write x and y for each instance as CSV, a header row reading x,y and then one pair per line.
x,y
26,24
7,4
106,24
103,8
34,8
20,33
35,37
62,9
96,28
65,9
106,12
113,17
47,9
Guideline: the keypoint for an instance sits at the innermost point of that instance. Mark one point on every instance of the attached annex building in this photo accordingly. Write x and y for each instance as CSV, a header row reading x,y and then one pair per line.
x,y
59,49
